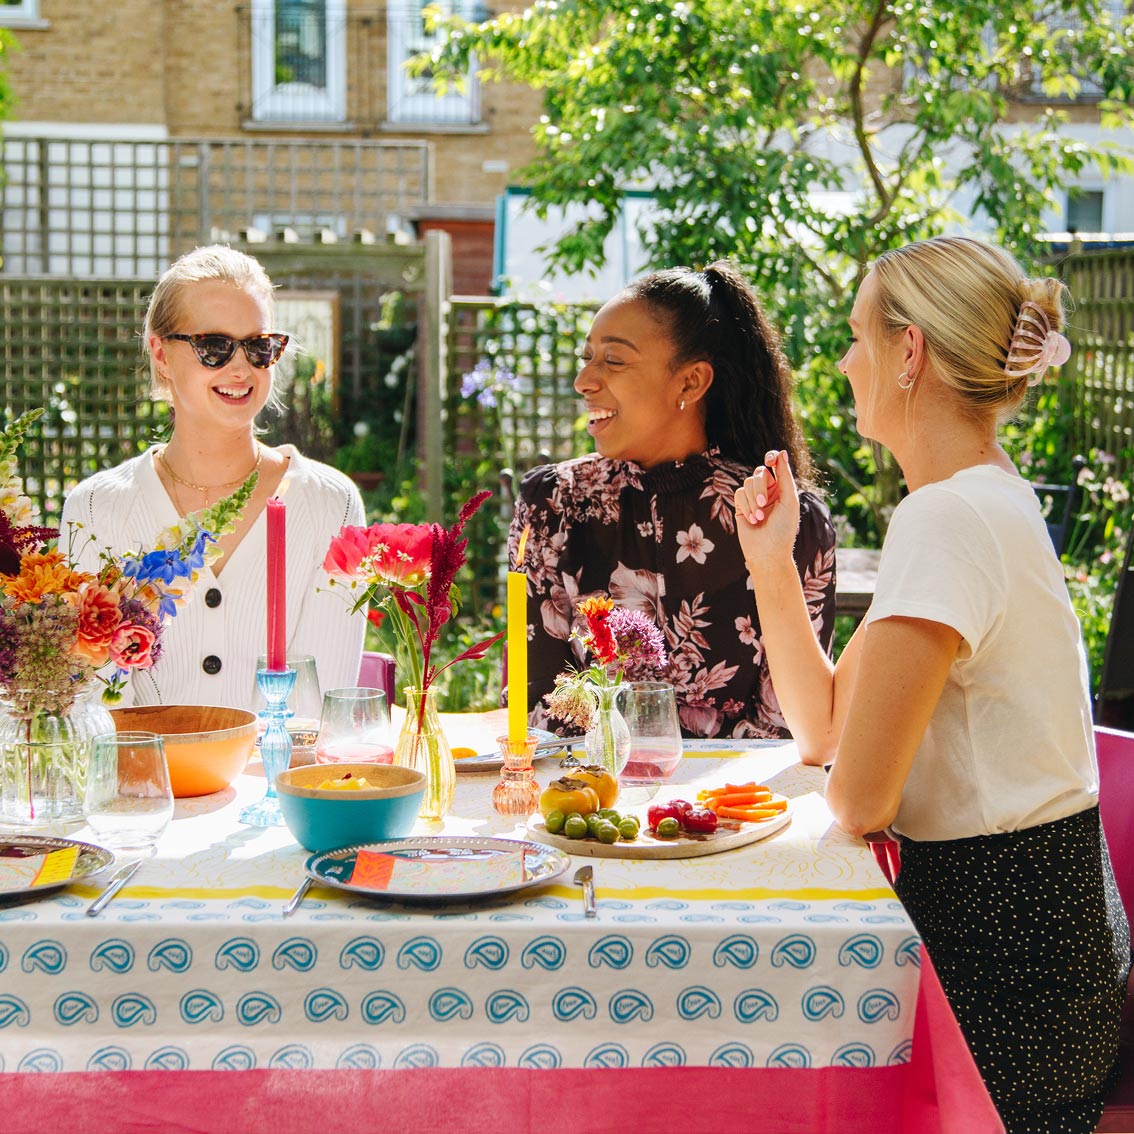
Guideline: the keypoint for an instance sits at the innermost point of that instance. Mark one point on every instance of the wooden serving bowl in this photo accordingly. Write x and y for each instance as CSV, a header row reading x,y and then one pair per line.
x,y
206,747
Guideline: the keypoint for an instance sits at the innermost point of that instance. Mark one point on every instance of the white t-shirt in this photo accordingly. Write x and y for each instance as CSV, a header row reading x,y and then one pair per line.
x,y
209,649
1010,744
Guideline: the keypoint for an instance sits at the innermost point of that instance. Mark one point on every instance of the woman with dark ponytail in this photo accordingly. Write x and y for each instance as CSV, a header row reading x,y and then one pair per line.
x,y
685,388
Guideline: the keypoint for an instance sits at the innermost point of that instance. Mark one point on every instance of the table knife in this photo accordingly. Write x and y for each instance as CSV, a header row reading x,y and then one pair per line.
x,y
117,881
585,877
297,897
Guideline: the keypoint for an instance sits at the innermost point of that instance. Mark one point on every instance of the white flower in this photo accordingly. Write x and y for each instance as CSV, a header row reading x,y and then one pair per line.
x,y
693,545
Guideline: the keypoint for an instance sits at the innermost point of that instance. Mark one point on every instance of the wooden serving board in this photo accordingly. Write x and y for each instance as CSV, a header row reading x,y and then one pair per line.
x,y
730,833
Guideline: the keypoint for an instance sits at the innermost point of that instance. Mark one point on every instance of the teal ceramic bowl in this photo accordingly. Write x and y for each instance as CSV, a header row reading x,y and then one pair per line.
x,y
325,819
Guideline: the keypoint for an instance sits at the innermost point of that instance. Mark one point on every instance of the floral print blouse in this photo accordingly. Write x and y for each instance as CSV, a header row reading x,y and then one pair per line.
x,y
662,541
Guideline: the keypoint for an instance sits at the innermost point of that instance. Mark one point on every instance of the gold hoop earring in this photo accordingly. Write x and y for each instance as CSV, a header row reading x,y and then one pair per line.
x,y
905,381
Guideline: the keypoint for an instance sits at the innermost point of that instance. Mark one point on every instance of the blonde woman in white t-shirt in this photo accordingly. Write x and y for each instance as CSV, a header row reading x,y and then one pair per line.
x,y
958,716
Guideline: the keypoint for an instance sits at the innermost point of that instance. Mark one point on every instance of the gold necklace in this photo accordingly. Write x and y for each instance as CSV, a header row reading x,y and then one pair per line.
x,y
207,489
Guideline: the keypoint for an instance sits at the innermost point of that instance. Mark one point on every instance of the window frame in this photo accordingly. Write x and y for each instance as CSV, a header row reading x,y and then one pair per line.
x,y
19,14
298,102
425,107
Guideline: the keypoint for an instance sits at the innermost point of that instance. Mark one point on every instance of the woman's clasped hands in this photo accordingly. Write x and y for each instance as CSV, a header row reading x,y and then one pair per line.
x,y
767,509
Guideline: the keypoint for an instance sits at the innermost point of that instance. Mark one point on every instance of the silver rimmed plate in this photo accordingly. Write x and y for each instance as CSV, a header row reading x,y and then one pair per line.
x,y
443,868
38,864
549,745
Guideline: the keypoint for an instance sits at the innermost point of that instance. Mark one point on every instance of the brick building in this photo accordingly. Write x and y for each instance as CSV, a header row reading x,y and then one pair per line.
x,y
142,127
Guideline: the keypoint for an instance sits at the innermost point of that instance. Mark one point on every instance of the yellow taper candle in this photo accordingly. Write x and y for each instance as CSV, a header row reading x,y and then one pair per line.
x,y
518,647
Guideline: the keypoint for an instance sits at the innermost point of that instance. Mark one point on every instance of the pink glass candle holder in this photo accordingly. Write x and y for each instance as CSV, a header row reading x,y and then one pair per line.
x,y
517,793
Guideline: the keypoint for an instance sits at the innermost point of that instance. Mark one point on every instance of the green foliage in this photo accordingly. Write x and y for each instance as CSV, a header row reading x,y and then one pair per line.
x,y
741,120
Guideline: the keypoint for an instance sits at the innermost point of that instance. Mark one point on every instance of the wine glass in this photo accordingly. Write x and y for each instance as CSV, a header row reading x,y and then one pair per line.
x,y
650,711
354,728
128,802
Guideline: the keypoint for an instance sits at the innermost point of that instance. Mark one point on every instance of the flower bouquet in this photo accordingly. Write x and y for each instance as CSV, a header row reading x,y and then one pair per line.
x,y
64,631
406,571
625,646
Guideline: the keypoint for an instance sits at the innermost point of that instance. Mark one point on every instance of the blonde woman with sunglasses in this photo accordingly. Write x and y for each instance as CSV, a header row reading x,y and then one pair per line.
x,y
211,345
959,715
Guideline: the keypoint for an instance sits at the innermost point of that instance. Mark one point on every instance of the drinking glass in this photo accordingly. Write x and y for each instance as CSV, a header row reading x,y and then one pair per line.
x,y
650,711
128,801
304,703
354,727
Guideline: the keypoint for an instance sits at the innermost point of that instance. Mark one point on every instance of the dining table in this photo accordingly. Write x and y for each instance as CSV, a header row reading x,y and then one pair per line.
x,y
777,986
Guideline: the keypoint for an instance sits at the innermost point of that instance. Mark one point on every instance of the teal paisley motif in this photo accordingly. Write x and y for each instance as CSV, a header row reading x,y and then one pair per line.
x,y
115,954
241,953
75,1008
572,1003
258,1008
47,956
199,1006
547,952
365,952
487,952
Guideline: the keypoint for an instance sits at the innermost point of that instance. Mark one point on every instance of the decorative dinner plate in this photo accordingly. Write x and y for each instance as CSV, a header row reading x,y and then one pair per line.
x,y
549,745
442,868
36,864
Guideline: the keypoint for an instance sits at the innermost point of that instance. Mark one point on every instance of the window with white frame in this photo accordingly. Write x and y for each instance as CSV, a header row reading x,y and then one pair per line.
x,y
412,98
1084,212
298,60
18,11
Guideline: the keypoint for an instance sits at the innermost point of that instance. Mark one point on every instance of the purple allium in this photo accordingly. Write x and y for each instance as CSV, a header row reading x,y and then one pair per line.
x,y
641,647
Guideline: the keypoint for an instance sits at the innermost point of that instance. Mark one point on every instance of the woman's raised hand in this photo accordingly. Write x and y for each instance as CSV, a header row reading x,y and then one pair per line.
x,y
767,510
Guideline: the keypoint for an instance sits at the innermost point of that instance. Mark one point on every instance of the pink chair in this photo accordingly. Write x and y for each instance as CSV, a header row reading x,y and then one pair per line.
x,y
1115,751
1116,806
377,672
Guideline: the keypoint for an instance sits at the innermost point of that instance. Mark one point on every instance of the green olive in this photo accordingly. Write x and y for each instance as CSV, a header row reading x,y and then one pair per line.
x,y
575,827
554,821
593,821
628,828
607,833
609,813
668,828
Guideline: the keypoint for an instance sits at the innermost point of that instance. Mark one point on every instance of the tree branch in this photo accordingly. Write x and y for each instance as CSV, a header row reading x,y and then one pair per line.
x,y
857,112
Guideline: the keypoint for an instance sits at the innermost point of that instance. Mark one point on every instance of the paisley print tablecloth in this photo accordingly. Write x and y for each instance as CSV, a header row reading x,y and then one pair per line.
x,y
792,952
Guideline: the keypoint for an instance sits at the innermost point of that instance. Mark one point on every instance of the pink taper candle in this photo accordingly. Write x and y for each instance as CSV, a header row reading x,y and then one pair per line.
x,y
277,584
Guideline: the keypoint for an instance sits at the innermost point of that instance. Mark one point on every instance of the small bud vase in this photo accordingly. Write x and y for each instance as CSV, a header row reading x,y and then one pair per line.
x,y
422,745
608,739
517,793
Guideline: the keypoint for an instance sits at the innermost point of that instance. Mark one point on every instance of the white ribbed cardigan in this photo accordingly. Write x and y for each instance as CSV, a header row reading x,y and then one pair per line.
x,y
126,507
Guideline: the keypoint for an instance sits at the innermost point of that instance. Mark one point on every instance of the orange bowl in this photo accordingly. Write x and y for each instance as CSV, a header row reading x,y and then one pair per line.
x,y
206,747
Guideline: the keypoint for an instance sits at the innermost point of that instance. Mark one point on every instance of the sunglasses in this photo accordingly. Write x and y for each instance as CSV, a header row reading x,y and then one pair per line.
x,y
214,351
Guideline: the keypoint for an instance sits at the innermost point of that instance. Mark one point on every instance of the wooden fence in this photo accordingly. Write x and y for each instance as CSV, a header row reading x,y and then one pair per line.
x,y
1099,377
73,347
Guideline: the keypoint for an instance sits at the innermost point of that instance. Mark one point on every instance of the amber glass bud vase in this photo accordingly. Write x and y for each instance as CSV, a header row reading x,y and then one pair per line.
x,y
517,793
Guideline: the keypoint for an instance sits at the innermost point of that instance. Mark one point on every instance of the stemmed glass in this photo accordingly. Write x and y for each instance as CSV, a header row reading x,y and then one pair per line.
x,y
128,802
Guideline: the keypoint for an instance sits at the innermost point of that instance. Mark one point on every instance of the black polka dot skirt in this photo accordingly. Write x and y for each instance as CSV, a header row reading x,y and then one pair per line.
x,y
1027,933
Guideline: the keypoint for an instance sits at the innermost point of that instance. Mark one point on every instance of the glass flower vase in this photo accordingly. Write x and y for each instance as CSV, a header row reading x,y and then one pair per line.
x,y
44,759
607,741
422,745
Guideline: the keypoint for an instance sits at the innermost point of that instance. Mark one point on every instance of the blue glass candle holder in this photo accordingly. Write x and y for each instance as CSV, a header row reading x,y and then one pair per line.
x,y
275,747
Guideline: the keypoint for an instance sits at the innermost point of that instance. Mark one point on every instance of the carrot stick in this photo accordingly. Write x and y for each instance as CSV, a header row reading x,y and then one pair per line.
x,y
730,789
740,798
747,814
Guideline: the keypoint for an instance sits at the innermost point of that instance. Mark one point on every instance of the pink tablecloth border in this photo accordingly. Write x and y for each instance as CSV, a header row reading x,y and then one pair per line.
x,y
938,1092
